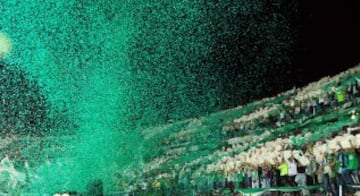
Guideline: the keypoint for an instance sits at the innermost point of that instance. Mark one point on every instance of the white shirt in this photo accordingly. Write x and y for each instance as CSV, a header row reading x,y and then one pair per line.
x,y
292,167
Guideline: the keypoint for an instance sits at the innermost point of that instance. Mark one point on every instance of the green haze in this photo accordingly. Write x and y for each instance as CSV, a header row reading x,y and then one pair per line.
x,y
116,67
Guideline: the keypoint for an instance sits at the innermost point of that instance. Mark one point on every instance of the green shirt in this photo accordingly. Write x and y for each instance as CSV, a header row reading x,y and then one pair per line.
x,y
340,96
283,169
213,177
240,177
353,161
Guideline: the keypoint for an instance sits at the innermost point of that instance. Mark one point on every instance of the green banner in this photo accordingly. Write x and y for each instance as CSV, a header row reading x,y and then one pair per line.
x,y
260,191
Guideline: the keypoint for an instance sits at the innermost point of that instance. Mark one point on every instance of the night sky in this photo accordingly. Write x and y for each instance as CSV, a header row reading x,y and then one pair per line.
x,y
329,38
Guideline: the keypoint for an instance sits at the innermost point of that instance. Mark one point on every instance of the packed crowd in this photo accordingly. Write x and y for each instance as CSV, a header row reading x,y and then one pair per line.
x,y
330,162
300,107
331,159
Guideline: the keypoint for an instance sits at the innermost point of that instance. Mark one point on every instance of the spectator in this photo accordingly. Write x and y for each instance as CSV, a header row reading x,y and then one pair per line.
x,y
310,171
214,179
343,172
275,177
313,106
357,152
283,167
240,179
254,178
328,175
320,174
300,180
353,165
266,177
352,91
248,180
292,171
321,101
339,94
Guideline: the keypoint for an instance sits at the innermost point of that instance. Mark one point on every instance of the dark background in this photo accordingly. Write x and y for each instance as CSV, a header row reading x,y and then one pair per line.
x,y
329,38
